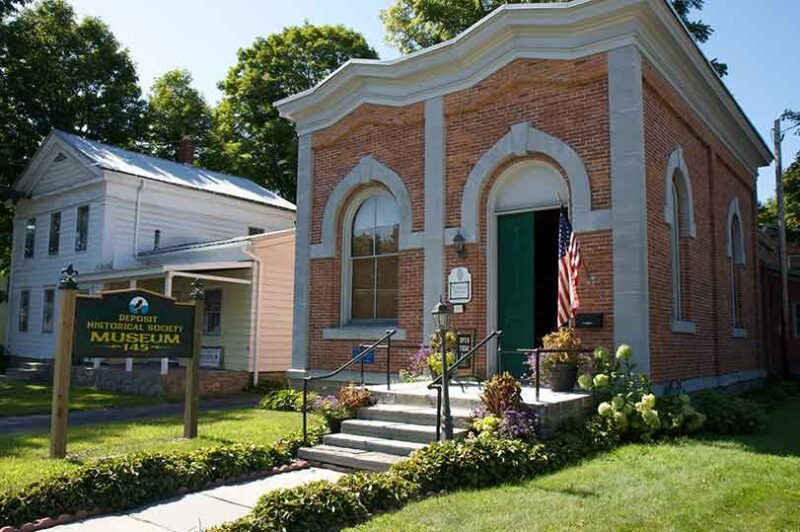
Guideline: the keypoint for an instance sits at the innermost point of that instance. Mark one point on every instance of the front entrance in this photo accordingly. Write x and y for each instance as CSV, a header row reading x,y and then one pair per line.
x,y
527,277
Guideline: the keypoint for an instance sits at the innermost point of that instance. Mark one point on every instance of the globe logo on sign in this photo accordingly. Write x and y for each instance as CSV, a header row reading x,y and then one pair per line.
x,y
139,306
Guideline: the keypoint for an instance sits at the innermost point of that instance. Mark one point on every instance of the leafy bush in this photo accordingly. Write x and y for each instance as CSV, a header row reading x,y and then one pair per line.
x,y
501,394
137,479
435,362
729,414
773,393
289,400
354,398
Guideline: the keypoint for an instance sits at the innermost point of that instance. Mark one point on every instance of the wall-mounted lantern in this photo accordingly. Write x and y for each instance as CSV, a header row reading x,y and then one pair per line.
x,y
458,242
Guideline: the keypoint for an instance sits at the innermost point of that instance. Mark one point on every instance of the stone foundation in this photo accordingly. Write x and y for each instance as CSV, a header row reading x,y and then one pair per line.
x,y
149,381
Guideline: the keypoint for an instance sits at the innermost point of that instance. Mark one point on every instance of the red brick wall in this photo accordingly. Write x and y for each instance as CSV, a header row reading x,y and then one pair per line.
x,y
715,178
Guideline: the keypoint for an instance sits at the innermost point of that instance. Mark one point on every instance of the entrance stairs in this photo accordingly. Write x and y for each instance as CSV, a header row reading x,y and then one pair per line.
x,y
388,432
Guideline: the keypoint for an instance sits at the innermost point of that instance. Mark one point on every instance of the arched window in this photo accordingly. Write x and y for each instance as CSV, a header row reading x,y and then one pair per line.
x,y
737,260
675,252
373,261
679,215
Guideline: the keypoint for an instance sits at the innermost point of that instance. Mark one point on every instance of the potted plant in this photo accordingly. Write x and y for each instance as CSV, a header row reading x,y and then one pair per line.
x,y
561,367
332,410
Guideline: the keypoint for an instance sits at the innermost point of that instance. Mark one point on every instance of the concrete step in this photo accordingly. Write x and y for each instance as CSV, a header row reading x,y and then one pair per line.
x,y
425,398
414,414
371,443
348,458
395,431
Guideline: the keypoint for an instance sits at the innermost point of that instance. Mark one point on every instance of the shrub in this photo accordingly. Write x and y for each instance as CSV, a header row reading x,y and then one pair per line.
x,y
729,414
137,479
435,362
289,400
354,398
522,424
501,394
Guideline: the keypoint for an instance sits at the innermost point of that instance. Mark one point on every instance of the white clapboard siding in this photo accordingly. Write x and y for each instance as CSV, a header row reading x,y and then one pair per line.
x,y
276,301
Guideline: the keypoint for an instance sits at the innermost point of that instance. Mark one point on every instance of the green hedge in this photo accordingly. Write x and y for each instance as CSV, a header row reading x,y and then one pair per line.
x,y
137,479
444,466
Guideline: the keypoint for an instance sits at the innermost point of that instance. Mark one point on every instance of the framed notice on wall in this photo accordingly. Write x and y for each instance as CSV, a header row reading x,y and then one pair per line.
x,y
210,357
465,340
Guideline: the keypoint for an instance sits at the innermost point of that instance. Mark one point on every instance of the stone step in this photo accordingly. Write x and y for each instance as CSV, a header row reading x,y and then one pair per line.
x,y
395,431
349,458
420,398
414,414
371,443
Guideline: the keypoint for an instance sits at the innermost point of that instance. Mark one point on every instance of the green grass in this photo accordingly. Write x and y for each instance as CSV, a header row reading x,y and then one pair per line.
x,y
747,483
21,399
23,458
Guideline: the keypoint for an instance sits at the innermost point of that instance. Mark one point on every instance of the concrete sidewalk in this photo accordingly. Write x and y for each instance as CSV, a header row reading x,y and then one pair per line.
x,y
41,422
201,510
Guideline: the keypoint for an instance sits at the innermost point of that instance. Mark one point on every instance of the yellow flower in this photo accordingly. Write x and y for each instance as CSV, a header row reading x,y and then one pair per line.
x,y
585,381
601,380
624,352
605,409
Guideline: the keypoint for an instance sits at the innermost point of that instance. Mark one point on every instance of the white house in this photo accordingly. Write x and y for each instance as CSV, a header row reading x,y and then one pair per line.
x,y
128,220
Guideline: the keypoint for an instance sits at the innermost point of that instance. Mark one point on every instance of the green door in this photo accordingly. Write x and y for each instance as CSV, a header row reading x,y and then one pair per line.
x,y
515,288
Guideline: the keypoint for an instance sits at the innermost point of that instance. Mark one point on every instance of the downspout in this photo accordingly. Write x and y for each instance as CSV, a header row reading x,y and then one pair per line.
x,y
136,219
255,330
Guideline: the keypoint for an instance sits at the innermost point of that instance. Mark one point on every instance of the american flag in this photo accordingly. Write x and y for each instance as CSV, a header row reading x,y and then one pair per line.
x,y
569,261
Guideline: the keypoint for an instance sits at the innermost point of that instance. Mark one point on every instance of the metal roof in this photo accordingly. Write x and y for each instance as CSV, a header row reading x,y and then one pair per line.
x,y
116,159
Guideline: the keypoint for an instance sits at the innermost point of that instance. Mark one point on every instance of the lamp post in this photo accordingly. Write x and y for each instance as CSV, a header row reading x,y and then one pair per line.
x,y
441,320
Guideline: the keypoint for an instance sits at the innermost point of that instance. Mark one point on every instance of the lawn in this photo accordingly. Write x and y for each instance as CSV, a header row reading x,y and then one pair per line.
x,y
747,483
22,399
23,457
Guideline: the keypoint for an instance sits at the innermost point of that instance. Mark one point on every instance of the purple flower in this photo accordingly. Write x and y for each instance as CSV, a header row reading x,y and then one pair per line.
x,y
520,425
419,360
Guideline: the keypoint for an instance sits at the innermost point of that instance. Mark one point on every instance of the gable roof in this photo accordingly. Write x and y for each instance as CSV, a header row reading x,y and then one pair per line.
x,y
562,30
127,162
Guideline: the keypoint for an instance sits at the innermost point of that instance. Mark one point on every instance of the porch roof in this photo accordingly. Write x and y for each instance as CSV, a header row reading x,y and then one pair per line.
x,y
177,270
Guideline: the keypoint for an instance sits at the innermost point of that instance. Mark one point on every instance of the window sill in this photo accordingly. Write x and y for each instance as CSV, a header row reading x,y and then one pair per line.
x,y
361,332
740,333
684,327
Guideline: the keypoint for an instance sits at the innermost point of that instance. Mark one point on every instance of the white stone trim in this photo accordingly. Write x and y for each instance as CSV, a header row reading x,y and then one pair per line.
x,y
541,31
368,171
715,381
433,278
362,332
629,204
679,172
302,262
522,139
733,211
684,327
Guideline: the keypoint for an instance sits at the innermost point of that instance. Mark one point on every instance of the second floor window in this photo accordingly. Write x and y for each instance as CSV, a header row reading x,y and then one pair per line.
x,y
212,313
24,310
30,237
54,242
47,310
82,229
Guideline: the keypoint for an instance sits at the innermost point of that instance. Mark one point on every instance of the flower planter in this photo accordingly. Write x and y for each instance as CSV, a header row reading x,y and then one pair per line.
x,y
562,377
335,425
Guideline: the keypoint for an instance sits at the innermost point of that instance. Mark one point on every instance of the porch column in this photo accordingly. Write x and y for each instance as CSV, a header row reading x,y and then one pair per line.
x,y
629,204
302,255
434,241
168,293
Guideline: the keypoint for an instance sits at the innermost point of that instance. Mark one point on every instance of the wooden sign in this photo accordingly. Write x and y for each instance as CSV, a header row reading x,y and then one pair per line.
x,y
133,323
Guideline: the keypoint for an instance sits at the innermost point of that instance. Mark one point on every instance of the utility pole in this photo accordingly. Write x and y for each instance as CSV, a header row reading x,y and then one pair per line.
x,y
782,258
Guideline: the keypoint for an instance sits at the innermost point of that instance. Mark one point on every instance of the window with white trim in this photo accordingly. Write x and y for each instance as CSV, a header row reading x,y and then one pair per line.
x,y
54,241
675,254
30,238
373,260
82,228
212,313
24,310
48,310
736,265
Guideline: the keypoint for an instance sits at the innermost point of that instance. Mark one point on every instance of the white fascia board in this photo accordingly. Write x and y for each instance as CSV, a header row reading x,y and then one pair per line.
x,y
564,31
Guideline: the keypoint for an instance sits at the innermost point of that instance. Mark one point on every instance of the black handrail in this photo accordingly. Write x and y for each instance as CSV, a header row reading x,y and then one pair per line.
x,y
358,358
437,382
539,350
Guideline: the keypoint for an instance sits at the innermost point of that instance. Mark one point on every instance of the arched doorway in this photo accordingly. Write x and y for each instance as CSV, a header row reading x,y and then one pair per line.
x,y
522,254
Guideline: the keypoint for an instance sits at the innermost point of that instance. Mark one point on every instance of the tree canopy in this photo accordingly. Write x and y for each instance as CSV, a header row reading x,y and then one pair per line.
x,y
414,24
59,72
176,109
768,210
249,137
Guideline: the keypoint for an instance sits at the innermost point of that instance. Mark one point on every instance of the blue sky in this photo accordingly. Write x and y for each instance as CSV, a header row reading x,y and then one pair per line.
x,y
204,35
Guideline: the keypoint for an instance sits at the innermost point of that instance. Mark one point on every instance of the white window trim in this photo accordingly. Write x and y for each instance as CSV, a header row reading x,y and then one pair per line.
x,y
77,229
44,305
678,172
678,183
345,319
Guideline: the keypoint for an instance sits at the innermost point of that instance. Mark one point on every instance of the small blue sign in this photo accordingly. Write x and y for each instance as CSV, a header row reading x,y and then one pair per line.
x,y
369,358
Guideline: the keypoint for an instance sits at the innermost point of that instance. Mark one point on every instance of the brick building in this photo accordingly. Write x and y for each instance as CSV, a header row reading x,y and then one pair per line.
x,y
605,106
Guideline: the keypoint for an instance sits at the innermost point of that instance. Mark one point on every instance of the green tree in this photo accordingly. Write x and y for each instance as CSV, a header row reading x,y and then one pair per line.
x,y
768,211
58,72
249,137
176,109
414,24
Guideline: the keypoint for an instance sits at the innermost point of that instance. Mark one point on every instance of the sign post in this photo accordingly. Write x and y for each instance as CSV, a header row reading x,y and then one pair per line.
x,y
67,293
192,400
